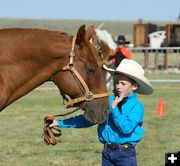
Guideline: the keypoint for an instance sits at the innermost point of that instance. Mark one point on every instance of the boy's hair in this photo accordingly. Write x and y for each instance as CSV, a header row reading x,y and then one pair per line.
x,y
130,79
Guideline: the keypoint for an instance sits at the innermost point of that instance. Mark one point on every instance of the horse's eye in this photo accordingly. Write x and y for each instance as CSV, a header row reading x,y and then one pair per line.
x,y
90,68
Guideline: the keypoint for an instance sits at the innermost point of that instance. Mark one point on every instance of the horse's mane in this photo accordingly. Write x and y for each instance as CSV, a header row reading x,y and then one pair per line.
x,y
32,29
106,37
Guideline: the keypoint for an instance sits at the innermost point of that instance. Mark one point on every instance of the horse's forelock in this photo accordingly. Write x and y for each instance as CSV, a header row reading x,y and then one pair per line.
x,y
106,37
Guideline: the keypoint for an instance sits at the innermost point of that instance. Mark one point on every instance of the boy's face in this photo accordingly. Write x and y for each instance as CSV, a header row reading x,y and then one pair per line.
x,y
124,85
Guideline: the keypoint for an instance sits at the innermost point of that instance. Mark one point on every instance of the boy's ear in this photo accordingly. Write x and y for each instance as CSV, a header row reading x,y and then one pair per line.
x,y
134,86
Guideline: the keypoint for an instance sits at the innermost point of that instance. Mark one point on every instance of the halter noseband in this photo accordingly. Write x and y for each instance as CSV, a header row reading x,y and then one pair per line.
x,y
88,95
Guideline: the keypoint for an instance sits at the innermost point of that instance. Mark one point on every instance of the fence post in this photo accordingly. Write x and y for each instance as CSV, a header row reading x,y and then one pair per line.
x,y
146,60
165,60
156,60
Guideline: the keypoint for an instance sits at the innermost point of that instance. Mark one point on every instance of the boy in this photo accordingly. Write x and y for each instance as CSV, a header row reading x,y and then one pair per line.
x,y
122,130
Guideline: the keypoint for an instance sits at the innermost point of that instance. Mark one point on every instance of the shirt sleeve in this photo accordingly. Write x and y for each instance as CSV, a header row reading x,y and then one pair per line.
x,y
74,122
127,123
125,52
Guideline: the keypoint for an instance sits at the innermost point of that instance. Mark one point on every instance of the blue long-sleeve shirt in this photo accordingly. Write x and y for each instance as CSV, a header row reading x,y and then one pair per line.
x,y
121,126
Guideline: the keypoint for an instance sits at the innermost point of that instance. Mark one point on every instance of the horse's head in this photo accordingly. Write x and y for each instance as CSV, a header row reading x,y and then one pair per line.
x,y
82,80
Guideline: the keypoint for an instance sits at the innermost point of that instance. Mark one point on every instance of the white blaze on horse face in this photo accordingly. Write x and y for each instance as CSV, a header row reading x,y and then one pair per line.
x,y
106,37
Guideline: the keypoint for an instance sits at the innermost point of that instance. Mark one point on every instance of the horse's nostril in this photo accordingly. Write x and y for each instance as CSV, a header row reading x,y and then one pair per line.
x,y
97,116
104,106
105,109
106,112
89,115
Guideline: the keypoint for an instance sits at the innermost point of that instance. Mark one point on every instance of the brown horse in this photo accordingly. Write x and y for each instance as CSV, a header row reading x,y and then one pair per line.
x,y
30,57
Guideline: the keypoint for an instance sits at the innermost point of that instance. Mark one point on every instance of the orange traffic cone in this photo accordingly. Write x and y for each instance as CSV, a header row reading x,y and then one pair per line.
x,y
161,110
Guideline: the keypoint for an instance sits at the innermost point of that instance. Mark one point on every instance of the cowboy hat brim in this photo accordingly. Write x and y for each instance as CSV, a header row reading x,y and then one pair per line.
x,y
144,85
126,42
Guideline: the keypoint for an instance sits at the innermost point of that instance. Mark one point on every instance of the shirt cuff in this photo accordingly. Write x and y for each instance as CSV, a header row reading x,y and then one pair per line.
x,y
60,123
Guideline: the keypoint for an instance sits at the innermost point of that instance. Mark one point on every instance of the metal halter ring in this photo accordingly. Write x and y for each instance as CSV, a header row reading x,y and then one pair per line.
x,y
70,66
89,96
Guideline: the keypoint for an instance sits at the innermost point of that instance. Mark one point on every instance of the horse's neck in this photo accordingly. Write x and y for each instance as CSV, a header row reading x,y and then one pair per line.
x,y
28,65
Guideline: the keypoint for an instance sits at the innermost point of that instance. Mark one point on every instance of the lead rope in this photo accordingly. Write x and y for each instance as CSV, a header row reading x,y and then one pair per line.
x,y
50,133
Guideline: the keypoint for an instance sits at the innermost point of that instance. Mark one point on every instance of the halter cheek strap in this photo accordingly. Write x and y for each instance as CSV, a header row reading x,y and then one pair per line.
x,y
88,95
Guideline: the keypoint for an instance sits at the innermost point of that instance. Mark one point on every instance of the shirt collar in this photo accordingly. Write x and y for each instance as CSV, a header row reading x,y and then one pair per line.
x,y
132,95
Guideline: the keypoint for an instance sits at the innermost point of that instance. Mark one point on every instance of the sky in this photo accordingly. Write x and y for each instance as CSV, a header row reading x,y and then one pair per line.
x,y
115,10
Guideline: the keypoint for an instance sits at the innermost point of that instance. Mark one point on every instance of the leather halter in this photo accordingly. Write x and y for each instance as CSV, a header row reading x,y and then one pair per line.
x,y
88,95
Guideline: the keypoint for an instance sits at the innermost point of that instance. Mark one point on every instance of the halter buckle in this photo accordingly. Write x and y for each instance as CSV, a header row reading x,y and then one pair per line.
x,y
89,96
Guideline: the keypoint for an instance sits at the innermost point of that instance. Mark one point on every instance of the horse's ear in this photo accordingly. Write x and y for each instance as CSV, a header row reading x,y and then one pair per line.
x,y
80,35
90,32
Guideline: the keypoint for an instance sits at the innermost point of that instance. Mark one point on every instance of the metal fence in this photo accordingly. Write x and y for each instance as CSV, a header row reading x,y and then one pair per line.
x,y
163,58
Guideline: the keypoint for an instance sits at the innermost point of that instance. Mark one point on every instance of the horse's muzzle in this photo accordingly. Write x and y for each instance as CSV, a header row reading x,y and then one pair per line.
x,y
95,116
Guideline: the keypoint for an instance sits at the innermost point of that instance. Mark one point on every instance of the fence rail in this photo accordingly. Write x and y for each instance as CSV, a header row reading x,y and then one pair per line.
x,y
157,58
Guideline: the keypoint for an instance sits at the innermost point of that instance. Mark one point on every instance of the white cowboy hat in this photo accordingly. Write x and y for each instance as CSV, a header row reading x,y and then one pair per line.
x,y
133,70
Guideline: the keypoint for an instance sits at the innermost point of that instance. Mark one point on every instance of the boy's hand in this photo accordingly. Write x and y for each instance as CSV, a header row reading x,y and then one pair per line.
x,y
54,123
117,100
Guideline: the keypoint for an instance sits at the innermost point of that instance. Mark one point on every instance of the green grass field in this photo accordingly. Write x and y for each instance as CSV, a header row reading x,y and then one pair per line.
x,y
21,129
